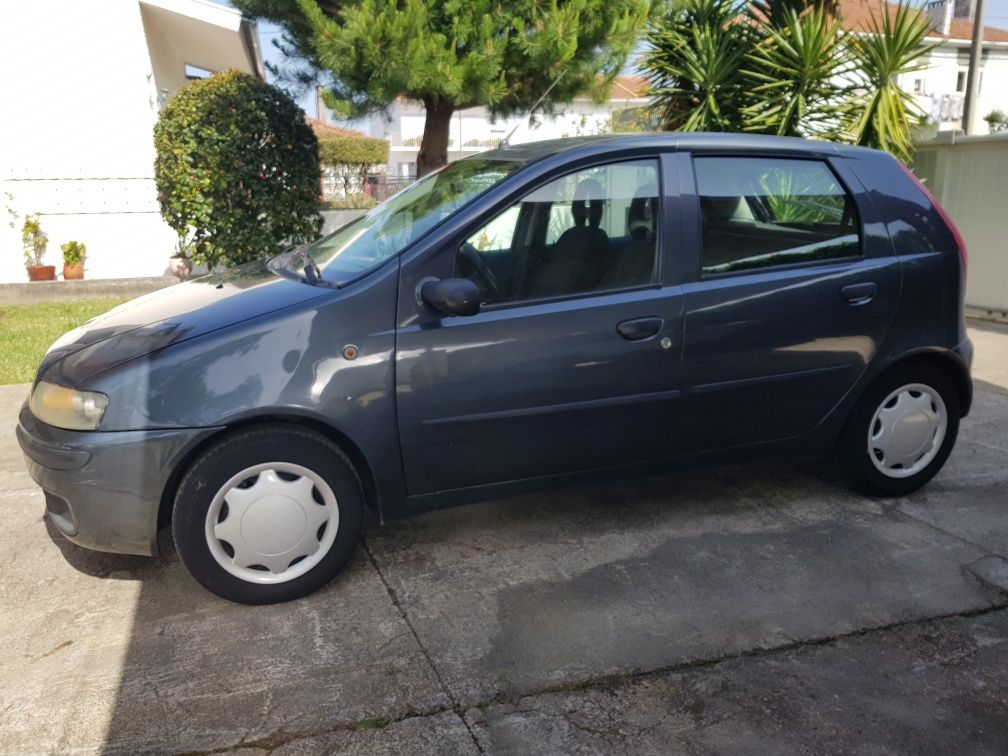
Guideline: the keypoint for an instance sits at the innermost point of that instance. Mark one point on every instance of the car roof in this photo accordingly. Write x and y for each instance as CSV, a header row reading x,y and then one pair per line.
x,y
671,141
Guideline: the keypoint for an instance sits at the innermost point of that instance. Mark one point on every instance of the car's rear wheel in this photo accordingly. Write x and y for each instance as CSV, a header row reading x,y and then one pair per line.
x,y
268,514
901,431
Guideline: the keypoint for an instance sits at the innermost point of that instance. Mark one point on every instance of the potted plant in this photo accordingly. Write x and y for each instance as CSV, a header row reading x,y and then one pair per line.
x,y
180,264
35,242
74,253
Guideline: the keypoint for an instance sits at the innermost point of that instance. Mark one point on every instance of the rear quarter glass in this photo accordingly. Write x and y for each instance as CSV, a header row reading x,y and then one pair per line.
x,y
914,223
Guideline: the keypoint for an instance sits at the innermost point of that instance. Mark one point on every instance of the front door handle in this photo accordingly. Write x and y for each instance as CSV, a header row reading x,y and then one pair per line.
x,y
639,328
859,293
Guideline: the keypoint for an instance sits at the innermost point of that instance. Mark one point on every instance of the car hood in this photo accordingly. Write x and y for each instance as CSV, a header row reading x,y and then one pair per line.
x,y
177,313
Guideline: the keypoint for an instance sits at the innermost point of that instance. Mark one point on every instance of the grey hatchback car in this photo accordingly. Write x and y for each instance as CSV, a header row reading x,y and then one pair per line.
x,y
535,315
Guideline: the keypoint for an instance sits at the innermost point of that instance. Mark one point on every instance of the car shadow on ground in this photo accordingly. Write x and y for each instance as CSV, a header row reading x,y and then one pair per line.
x,y
101,564
201,673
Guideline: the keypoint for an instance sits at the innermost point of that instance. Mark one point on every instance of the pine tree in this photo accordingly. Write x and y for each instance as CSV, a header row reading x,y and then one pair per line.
x,y
457,54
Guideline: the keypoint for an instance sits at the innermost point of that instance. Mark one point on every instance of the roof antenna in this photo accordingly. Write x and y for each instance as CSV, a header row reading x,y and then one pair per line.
x,y
556,81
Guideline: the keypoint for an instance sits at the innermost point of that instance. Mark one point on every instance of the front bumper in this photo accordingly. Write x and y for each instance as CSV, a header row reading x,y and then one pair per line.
x,y
103,489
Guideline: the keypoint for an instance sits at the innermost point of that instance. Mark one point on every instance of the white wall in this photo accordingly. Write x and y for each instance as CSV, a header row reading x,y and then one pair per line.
x,y
79,96
967,176
75,141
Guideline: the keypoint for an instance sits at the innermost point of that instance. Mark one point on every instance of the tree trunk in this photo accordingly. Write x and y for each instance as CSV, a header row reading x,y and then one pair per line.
x,y
434,145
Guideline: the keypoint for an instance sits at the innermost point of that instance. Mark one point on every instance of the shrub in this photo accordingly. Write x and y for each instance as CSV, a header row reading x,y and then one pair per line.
x,y
35,241
351,202
74,252
997,121
237,169
353,150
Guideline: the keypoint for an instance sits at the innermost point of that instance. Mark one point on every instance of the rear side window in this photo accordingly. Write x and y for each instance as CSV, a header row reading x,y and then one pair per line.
x,y
762,212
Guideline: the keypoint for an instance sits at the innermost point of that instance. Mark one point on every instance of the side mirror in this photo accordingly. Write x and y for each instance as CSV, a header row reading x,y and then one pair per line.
x,y
450,296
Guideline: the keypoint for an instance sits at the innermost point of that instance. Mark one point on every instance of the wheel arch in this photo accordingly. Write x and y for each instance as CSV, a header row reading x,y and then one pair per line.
x,y
358,459
948,362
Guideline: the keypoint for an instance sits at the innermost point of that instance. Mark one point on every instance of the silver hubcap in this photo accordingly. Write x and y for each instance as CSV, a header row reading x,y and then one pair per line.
x,y
272,522
907,430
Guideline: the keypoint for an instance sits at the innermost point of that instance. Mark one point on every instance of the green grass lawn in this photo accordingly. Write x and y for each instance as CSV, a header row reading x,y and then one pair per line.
x,y
26,331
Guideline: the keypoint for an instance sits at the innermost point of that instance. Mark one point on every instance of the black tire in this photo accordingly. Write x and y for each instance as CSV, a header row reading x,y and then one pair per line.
x,y
852,447
233,454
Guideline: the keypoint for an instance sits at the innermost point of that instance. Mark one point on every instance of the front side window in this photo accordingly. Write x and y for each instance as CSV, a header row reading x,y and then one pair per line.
x,y
764,212
389,228
593,230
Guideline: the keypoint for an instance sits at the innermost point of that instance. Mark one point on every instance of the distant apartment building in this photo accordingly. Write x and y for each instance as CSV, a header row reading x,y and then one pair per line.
x,y
940,88
474,129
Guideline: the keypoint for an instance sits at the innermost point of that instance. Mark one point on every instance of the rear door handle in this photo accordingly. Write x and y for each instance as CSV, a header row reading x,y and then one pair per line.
x,y
859,293
639,328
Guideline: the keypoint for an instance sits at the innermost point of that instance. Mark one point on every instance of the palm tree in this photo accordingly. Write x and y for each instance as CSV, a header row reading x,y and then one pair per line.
x,y
786,67
796,74
693,66
893,46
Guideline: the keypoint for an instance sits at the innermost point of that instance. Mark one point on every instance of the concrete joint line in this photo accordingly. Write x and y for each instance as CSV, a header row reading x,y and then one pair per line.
x,y
604,681
895,507
280,738
991,571
456,708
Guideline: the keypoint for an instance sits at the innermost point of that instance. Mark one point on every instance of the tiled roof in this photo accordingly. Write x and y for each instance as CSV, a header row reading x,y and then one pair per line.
x,y
858,14
323,129
628,87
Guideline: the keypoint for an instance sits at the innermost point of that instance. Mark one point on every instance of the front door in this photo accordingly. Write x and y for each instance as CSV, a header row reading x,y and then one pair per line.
x,y
573,362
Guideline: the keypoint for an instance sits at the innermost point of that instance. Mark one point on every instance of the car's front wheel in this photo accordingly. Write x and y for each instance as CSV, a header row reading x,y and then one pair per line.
x,y
901,431
268,514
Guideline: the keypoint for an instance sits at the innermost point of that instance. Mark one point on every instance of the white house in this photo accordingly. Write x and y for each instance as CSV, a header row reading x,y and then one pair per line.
x,y
940,88
474,130
82,86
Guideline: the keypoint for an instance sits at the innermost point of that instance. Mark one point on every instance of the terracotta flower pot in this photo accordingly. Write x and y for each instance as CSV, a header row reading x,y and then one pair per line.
x,y
73,272
181,267
41,272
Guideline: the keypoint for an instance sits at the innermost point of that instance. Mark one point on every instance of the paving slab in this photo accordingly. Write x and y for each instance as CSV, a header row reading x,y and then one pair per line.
x,y
969,496
990,343
128,654
442,734
549,591
937,687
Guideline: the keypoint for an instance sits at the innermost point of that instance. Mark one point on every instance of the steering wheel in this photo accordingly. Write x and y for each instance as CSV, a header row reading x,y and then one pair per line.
x,y
472,255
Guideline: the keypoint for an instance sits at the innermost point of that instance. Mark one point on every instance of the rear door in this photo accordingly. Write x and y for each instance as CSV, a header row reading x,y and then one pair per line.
x,y
793,287
573,362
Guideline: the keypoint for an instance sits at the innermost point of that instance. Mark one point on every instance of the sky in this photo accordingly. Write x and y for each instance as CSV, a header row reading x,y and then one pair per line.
x,y
995,14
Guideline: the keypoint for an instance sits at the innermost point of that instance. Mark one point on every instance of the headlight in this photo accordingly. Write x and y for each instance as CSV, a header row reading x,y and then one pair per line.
x,y
67,408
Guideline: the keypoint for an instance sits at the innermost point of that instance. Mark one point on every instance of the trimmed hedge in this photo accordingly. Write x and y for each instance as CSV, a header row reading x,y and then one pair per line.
x,y
237,169
347,160
365,151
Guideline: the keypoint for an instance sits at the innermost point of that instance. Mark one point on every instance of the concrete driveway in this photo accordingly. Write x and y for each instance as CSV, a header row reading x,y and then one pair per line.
x,y
750,609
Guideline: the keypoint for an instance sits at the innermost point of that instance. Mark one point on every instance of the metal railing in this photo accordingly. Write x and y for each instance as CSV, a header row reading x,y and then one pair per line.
x,y
383,187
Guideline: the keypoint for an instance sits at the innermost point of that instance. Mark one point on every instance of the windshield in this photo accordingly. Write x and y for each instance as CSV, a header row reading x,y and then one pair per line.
x,y
389,228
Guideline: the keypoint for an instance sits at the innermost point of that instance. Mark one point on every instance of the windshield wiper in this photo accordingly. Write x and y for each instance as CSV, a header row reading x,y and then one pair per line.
x,y
311,271
298,255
